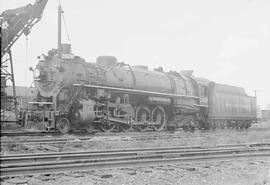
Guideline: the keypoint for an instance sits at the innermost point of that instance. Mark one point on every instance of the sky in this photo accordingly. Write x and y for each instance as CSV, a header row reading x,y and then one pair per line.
x,y
225,41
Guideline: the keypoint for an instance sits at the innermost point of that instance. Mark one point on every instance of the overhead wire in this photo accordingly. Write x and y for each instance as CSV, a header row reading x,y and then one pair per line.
x,y
66,27
26,64
29,89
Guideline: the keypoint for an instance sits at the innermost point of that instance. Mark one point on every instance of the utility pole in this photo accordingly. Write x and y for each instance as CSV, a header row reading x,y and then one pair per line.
x,y
59,49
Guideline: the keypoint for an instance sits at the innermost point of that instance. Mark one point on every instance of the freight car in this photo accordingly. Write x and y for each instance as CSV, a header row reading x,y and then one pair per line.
x,y
108,95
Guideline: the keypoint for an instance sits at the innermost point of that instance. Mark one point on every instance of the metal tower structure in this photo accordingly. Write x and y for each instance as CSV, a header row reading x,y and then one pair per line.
x,y
14,23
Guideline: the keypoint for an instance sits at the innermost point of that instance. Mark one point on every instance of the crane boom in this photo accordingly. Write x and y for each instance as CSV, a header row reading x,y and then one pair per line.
x,y
15,22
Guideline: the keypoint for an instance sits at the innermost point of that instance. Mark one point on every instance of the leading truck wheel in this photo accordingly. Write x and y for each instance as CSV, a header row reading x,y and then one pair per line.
x,y
63,125
90,128
106,126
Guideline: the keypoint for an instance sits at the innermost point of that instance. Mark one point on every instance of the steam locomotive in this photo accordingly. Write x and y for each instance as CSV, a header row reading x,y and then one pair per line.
x,y
109,95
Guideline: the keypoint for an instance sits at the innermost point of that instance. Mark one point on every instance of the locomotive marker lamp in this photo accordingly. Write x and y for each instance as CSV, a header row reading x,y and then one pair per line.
x,y
36,73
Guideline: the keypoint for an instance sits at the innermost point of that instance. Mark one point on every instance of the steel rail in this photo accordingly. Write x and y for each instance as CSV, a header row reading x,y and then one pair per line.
x,y
41,141
85,136
32,155
56,168
12,134
55,140
41,133
64,140
76,158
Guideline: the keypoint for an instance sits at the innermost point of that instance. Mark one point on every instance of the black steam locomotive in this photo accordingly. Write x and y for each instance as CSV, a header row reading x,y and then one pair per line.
x,y
108,95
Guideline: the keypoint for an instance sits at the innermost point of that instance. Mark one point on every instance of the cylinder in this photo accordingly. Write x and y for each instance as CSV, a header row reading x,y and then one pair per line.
x,y
86,110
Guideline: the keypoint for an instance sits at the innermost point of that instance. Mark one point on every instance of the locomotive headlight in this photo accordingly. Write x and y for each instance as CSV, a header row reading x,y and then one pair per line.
x,y
36,73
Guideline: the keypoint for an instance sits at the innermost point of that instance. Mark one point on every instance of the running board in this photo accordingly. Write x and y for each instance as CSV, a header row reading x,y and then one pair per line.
x,y
136,91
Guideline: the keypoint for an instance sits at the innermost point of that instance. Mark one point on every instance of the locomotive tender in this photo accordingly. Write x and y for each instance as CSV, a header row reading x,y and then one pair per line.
x,y
108,95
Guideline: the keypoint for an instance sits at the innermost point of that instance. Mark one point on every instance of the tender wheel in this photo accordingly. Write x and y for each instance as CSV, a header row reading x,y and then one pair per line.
x,y
63,125
158,115
142,115
206,125
221,124
213,125
247,125
229,125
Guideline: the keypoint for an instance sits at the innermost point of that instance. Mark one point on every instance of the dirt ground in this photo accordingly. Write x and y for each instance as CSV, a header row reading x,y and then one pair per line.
x,y
205,173
233,172
259,132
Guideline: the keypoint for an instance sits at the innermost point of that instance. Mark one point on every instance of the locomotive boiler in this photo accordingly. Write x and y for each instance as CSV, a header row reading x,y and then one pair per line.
x,y
110,95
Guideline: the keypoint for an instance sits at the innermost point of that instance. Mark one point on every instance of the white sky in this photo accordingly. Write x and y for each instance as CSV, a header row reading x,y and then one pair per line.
x,y
226,41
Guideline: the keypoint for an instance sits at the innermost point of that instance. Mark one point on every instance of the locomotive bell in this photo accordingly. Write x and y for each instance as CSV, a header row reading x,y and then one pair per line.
x,y
66,48
66,51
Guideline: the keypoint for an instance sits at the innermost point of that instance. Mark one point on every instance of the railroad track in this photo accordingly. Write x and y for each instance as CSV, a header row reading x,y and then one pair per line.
x,y
54,140
108,136
48,163
14,133
39,133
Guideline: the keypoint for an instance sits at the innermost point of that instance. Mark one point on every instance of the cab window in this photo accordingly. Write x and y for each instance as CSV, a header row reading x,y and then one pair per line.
x,y
204,91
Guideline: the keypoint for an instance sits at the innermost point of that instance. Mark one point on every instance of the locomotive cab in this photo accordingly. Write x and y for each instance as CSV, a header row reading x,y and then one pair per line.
x,y
203,91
